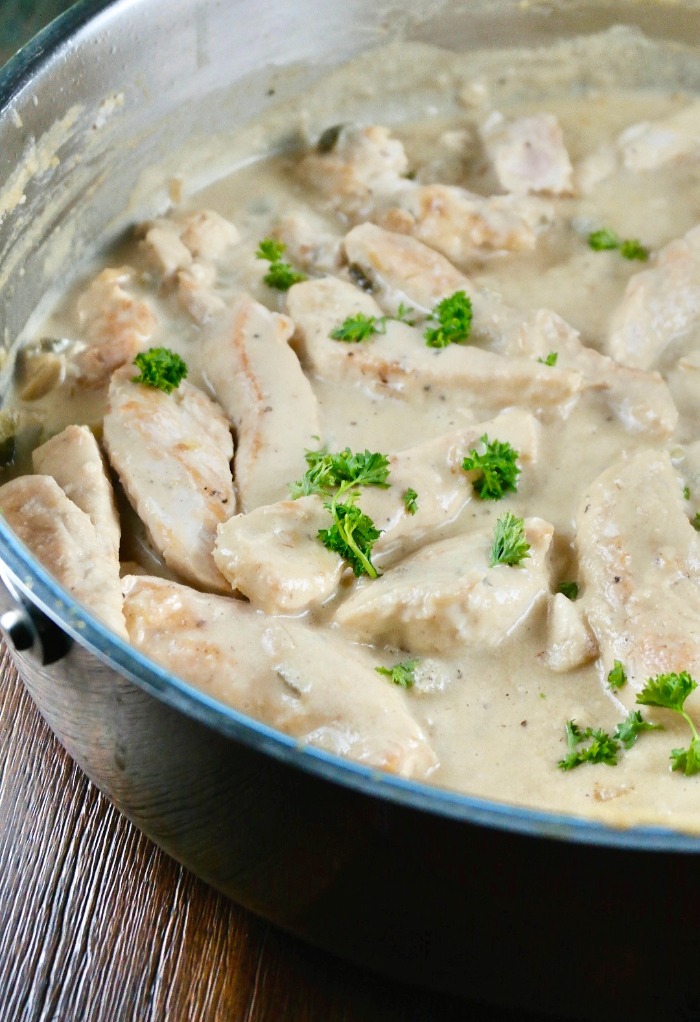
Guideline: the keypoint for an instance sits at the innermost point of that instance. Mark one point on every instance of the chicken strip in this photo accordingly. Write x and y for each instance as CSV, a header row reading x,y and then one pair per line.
x,y
259,382
660,305
528,154
274,557
403,270
116,324
317,688
64,540
172,453
75,461
399,362
639,560
448,596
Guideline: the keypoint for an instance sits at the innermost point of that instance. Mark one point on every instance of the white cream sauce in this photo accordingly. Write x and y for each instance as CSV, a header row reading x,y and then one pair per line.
x,y
496,720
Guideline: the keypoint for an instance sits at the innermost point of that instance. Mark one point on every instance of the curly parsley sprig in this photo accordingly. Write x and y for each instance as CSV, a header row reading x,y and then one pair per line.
x,y
339,477
453,316
402,674
496,469
280,274
161,369
669,692
606,240
509,543
358,328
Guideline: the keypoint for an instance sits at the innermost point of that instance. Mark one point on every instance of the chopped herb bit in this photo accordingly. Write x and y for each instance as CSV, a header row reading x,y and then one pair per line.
x,y
356,329
403,674
602,747
617,677
328,139
497,469
509,543
550,360
160,368
410,500
633,249
569,590
280,274
695,521
633,725
670,691
454,316
352,535
327,472
603,240
686,493
404,314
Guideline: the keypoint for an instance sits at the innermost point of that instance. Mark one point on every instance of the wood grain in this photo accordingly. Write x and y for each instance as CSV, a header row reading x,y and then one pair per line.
x,y
98,925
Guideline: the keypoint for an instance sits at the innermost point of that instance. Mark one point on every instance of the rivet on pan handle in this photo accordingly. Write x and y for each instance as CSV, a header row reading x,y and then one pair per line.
x,y
27,629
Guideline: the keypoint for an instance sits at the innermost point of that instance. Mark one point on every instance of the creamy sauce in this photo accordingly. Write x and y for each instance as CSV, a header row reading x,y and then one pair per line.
x,y
495,719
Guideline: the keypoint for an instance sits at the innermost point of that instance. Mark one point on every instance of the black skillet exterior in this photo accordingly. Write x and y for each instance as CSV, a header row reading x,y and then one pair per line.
x,y
581,930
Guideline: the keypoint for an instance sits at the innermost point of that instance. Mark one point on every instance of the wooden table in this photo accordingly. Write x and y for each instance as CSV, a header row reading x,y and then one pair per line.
x,y
98,925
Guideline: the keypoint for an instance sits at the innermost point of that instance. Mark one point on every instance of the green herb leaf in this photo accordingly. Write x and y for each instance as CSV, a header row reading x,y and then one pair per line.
x,y
603,240
160,368
352,535
410,500
686,493
509,543
329,471
695,522
454,318
617,677
603,748
497,469
280,274
356,329
633,249
633,725
687,760
405,314
550,360
669,691
403,674
568,589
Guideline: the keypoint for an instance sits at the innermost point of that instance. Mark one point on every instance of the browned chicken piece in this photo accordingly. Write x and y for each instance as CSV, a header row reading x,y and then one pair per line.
x,y
528,154
447,596
399,362
66,543
260,384
320,689
116,324
402,269
172,453
361,174
74,459
184,254
639,560
273,556
660,305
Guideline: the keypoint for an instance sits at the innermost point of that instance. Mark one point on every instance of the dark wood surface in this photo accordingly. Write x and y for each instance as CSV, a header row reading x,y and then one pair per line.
x,y
98,925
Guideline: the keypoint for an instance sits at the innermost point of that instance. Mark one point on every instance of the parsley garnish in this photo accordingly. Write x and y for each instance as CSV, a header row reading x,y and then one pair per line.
x,y
410,500
356,329
509,543
670,691
607,240
602,747
454,318
160,368
352,535
686,493
568,589
403,674
496,467
550,360
280,275
339,478
632,726
617,677
695,522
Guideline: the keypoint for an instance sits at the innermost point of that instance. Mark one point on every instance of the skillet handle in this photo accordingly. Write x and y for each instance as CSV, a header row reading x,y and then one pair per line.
x,y
26,628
